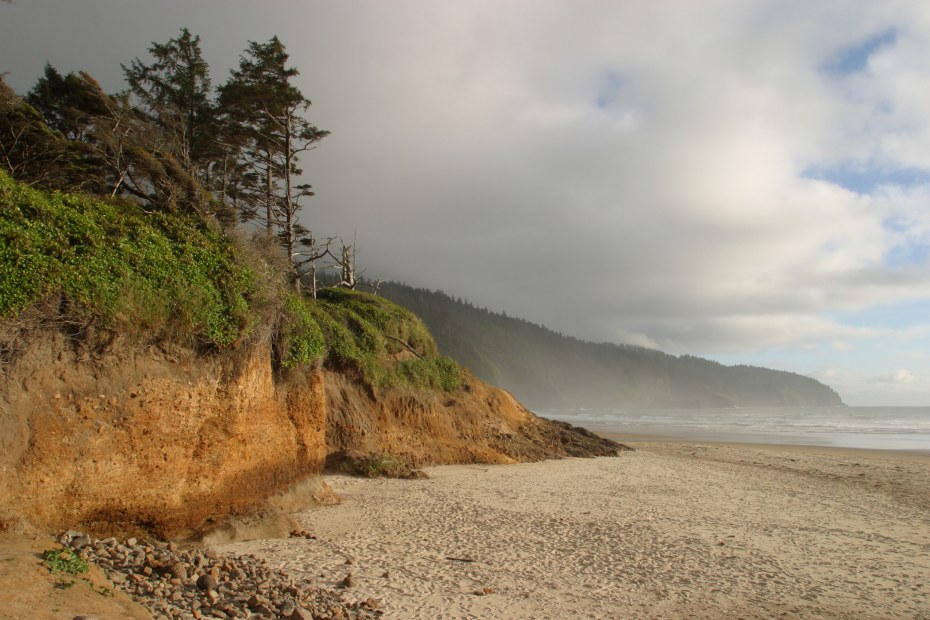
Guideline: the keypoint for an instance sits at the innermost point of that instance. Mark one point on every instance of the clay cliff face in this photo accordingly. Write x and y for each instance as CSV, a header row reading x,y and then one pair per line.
x,y
141,438
476,424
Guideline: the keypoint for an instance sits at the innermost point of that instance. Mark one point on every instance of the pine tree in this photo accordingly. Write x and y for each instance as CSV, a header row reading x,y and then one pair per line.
x,y
175,91
66,102
265,121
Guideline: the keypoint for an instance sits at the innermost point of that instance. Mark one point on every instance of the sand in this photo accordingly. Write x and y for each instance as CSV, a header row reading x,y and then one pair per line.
x,y
672,530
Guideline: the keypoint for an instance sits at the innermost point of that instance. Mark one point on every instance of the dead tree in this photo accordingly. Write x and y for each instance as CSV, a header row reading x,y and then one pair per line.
x,y
348,266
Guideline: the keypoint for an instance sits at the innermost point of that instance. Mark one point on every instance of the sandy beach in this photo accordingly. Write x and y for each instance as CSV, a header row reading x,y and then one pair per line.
x,y
672,530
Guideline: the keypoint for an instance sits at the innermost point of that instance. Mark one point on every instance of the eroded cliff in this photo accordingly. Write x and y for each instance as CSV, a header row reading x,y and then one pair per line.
x,y
143,438
477,423
170,442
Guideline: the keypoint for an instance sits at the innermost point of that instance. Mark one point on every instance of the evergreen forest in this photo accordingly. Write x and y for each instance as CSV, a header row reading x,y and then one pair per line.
x,y
547,370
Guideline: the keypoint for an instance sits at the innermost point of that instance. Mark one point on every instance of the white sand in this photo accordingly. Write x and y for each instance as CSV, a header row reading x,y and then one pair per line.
x,y
668,531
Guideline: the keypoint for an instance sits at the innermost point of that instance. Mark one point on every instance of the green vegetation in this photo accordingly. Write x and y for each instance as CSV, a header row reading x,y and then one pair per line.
x,y
302,341
170,277
376,466
363,331
64,561
67,562
120,268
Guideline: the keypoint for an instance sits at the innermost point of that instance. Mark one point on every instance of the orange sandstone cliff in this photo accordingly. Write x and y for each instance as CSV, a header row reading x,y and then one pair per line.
x,y
143,439
148,439
475,424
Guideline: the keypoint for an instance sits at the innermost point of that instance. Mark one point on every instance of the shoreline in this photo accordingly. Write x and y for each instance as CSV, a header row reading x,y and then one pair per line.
x,y
634,439
868,428
672,529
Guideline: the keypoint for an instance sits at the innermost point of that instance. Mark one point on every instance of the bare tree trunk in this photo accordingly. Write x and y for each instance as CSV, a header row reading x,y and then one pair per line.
x,y
312,272
348,266
269,193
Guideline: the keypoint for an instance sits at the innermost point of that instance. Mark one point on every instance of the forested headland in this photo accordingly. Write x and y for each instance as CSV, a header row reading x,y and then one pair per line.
x,y
548,370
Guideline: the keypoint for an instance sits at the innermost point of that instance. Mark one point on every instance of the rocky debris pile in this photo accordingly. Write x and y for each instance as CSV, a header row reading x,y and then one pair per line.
x,y
179,584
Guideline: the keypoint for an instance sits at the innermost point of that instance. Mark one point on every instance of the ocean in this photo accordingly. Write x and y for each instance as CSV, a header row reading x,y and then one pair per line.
x,y
880,428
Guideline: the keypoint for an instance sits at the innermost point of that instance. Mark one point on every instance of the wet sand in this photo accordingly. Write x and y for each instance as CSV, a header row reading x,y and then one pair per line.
x,y
672,530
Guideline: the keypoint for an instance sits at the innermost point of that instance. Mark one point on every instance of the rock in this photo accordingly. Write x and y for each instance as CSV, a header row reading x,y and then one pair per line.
x,y
206,582
117,578
178,571
178,585
81,541
300,614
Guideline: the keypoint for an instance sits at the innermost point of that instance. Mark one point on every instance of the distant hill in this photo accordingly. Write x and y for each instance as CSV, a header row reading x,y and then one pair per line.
x,y
545,369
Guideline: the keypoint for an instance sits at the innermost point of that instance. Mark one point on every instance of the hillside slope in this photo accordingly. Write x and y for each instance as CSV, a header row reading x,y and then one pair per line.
x,y
548,370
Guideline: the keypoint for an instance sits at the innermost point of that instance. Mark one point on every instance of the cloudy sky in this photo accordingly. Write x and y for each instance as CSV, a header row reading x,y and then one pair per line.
x,y
747,181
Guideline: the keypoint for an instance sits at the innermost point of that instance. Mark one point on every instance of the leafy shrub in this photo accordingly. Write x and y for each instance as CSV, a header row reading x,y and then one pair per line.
x,y
64,561
376,466
371,335
120,267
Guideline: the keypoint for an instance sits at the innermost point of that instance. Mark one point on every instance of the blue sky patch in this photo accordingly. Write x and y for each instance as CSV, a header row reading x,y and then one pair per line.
x,y
908,255
899,315
855,58
865,180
